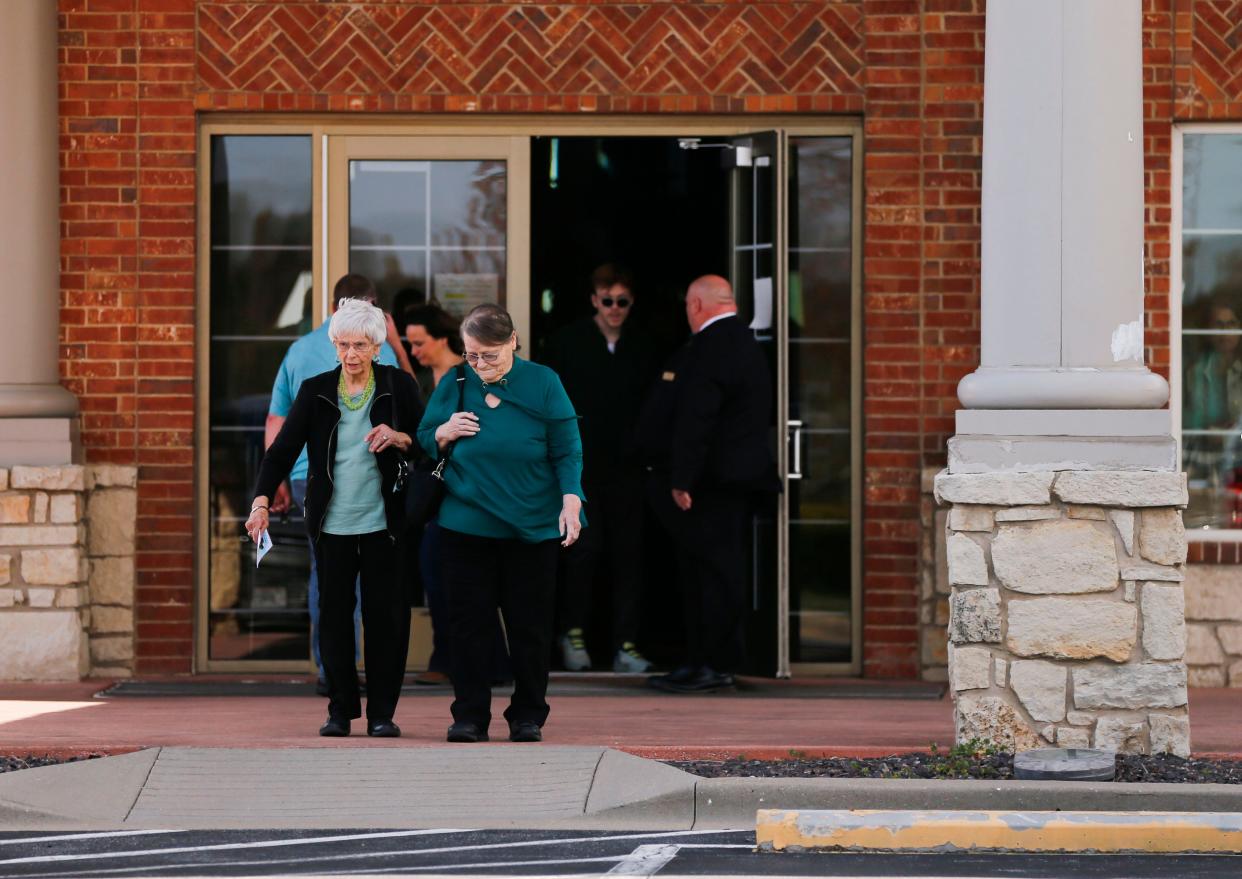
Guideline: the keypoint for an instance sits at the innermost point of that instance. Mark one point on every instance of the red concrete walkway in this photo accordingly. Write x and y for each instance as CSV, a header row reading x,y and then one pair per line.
x,y
67,718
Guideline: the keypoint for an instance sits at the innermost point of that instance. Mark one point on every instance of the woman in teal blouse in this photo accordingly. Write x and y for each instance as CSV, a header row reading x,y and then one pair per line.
x,y
514,496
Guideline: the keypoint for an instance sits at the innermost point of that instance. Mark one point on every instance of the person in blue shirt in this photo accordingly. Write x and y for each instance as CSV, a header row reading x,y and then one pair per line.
x,y
311,355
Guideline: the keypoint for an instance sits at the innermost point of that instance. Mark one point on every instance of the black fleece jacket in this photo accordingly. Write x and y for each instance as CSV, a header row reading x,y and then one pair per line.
x,y
312,423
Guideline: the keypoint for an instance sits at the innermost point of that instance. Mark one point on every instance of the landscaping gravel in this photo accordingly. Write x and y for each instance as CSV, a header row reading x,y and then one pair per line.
x,y
12,764
982,765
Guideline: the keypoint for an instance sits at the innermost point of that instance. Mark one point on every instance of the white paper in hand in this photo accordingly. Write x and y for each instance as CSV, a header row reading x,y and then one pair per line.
x,y
264,544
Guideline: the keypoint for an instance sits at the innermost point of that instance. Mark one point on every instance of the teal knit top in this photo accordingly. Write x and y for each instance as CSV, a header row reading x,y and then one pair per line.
x,y
507,481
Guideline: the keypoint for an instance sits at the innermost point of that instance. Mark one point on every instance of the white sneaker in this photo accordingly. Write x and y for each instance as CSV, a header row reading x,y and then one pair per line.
x,y
629,661
573,651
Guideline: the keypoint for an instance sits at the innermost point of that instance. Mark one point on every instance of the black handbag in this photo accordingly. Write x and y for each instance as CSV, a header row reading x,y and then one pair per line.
x,y
426,488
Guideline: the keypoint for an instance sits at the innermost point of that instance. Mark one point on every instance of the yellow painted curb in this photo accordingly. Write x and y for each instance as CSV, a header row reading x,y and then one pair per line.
x,y
910,830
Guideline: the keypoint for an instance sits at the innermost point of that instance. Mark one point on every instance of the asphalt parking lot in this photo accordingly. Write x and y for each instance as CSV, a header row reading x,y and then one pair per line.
x,y
531,853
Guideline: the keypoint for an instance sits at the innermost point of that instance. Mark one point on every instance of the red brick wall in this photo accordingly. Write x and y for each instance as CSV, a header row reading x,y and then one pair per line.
x,y
127,260
134,71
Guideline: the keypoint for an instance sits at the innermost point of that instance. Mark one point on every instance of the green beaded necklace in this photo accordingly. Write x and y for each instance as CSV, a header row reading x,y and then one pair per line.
x,y
353,404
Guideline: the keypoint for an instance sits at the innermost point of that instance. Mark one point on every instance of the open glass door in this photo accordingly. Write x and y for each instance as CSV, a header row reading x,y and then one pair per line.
x,y
794,250
757,275
431,218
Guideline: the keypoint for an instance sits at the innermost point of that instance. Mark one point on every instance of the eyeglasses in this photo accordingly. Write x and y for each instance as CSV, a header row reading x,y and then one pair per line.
x,y
356,347
620,302
491,358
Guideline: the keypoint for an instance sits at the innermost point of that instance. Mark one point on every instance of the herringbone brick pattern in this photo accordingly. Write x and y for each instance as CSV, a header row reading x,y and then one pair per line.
x,y
599,50
1214,89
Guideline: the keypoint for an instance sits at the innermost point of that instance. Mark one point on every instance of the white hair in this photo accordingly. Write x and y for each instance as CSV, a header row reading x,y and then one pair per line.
x,y
357,317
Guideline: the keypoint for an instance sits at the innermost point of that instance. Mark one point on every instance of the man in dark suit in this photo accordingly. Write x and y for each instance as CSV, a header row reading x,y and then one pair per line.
x,y
705,435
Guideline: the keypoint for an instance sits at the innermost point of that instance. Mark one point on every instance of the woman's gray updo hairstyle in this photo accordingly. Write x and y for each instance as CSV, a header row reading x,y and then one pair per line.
x,y
489,324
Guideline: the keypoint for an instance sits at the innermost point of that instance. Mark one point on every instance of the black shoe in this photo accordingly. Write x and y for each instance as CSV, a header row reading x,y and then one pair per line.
x,y
705,680
677,676
383,729
321,687
465,731
525,731
335,727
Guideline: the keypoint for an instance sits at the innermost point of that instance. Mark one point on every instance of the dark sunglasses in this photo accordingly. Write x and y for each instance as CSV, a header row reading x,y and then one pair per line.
x,y
620,302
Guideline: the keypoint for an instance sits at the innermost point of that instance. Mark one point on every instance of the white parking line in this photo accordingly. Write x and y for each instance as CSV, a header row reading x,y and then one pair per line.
x,y
180,850
304,861
56,837
646,860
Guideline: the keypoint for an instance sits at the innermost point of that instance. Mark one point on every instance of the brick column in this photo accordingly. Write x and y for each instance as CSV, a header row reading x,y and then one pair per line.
x,y
38,423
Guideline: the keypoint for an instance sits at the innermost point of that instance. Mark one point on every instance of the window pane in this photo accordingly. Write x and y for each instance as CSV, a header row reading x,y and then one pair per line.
x,y
819,384
819,593
261,293
260,191
821,172
468,204
1212,328
260,301
437,226
1212,181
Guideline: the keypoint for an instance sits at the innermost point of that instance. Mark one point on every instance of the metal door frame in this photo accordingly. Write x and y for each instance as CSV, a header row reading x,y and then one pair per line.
x,y
447,128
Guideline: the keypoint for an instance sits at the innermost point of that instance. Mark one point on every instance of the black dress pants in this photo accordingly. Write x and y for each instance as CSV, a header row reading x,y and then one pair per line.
x,y
377,561
710,540
483,575
614,532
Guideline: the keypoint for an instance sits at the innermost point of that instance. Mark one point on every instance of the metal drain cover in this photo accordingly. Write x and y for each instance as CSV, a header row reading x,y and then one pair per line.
x,y
1065,764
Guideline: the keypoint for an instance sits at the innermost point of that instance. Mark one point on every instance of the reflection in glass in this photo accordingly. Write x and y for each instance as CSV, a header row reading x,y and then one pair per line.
x,y
1212,329
260,295
404,214
1212,181
819,592
260,191
823,492
821,321
391,270
819,375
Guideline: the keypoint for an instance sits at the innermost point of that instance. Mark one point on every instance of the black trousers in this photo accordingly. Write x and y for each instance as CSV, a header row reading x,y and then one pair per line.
x,y
483,575
378,561
710,541
614,533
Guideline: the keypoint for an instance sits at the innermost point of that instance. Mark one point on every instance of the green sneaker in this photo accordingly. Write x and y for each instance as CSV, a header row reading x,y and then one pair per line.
x,y
574,654
629,661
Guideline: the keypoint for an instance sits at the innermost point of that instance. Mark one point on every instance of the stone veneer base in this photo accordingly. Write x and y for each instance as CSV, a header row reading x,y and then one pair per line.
x,y
1066,614
67,571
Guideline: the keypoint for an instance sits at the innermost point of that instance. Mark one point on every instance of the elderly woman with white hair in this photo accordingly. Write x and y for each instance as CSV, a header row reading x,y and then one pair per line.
x,y
353,422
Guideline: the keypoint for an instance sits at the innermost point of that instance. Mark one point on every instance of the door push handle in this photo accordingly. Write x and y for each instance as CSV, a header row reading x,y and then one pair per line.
x,y
795,437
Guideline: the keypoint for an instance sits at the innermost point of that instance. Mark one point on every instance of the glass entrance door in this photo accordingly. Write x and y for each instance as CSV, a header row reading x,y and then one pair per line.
x,y
428,220
794,249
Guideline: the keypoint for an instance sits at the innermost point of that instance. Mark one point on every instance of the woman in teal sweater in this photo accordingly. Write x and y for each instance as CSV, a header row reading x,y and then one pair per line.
x,y
514,494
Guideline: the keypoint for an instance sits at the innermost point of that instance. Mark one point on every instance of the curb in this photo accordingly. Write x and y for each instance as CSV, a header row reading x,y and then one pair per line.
x,y
939,831
732,802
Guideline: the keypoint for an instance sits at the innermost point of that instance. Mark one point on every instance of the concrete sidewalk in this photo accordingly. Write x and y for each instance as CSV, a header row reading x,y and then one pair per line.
x,y
530,787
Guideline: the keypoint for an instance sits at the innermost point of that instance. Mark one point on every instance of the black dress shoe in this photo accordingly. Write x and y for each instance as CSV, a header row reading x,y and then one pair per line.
x,y
465,731
683,673
383,729
525,731
335,727
703,680
321,687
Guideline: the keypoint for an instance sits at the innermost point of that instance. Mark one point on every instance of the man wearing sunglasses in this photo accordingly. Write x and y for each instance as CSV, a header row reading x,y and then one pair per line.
x,y
606,364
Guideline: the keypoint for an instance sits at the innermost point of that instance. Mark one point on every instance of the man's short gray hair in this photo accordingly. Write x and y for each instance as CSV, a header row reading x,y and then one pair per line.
x,y
355,317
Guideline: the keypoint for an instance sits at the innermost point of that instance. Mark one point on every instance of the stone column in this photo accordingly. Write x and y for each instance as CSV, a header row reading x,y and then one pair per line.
x,y
1064,539
38,417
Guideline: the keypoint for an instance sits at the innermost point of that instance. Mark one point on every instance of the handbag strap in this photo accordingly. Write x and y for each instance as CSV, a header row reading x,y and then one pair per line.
x,y
460,369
